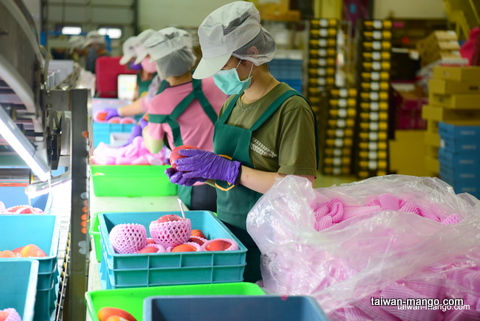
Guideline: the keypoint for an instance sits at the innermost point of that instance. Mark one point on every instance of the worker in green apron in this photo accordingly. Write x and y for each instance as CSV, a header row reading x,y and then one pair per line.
x,y
265,130
184,112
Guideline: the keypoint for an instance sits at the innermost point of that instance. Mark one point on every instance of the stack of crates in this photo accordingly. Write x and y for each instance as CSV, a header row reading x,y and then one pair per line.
x,y
372,79
287,67
336,130
322,52
453,117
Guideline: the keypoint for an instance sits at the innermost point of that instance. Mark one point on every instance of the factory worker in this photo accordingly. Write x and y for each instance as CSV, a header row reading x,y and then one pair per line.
x,y
144,76
265,130
76,50
97,47
184,113
148,83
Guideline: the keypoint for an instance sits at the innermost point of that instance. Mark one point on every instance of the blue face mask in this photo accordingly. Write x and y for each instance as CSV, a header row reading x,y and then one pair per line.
x,y
229,82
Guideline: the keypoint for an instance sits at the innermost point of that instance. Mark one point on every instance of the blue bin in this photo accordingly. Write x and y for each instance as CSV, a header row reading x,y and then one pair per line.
x,y
41,230
19,284
102,131
154,269
13,196
232,308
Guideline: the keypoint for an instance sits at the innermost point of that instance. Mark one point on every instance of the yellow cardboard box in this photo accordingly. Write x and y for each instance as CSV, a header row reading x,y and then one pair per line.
x,y
444,86
401,149
432,139
460,101
432,164
468,73
452,116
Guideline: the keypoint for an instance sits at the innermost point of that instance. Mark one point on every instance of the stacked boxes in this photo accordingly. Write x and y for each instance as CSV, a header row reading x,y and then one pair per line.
x,y
322,51
452,114
372,76
336,130
287,67
439,45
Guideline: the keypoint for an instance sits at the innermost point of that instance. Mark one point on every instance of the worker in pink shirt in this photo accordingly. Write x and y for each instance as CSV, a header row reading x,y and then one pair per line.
x,y
184,113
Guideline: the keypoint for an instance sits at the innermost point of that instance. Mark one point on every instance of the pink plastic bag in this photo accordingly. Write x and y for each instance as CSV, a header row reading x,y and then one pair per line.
x,y
393,236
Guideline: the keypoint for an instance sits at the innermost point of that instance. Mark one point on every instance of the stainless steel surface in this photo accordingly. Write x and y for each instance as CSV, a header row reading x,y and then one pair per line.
x,y
74,308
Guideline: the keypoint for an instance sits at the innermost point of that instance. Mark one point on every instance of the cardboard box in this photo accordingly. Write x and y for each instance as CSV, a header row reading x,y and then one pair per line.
x,y
460,101
432,139
405,144
467,73
432,164
445,87
452,116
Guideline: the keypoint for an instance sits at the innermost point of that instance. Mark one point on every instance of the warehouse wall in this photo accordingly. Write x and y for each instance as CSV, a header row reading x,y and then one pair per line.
x,y
157,14
412,9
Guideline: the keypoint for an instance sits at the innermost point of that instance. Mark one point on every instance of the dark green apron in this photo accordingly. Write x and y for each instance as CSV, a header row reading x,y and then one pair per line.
x,y
143,84
233,205
184,192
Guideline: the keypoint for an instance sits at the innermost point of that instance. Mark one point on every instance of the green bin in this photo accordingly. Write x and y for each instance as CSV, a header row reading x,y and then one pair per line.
x,y
131,180
131,300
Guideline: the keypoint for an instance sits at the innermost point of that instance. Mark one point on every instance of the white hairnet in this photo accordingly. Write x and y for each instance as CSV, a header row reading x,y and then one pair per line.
x,y
232,30
176,63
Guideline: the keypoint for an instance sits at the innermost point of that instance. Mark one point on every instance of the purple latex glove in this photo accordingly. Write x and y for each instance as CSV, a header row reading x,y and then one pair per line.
x,y
136,131
177,177
111,112
200,163
142,123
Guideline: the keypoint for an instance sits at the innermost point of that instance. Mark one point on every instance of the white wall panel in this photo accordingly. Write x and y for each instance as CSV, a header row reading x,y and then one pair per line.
x,y
67,14
114,15
158,14
113,2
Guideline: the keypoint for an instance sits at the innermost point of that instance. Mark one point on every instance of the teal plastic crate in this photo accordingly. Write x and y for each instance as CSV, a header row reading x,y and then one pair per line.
x,y
131,299
41,230
233,308
46,303
154,269
19,286
102,131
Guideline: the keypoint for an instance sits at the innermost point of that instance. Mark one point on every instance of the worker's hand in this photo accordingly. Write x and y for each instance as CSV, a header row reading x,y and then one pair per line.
x,y
208,165
177,177
111,112
142,123
136,131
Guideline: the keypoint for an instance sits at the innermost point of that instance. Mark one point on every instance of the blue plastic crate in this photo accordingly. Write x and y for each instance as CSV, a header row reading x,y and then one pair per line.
x,y
153,269
41,230
458,132
19,286
458,159
232,308
102,131
459,139
459,173
12,196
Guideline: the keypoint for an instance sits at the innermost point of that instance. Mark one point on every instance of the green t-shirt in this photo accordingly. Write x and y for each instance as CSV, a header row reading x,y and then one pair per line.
x,y
285,143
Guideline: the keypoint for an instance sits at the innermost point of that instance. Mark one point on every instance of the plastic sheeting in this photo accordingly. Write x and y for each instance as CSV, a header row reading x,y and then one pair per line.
x,y
390,238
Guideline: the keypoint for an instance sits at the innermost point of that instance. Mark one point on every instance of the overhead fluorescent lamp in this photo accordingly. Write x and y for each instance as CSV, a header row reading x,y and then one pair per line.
x,y
24,148
71,30
112,32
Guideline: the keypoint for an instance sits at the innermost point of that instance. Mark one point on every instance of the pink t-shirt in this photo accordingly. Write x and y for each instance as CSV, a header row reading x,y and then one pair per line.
x,y
195,126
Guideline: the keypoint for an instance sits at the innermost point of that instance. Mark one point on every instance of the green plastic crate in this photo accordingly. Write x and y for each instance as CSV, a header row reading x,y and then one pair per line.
x,y
94,231
131,299
131,180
